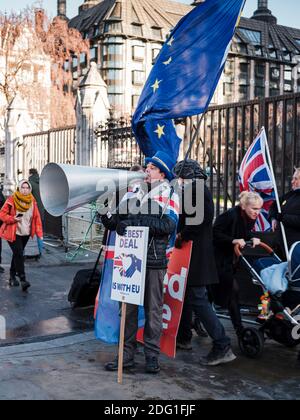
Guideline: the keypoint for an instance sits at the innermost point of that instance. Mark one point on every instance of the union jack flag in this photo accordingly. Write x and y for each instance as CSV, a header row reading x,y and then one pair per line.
x,y
118,264
255,175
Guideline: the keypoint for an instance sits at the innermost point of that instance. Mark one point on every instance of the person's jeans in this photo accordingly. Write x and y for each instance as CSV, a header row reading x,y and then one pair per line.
x,y
40,244
196,300
153,305
17,263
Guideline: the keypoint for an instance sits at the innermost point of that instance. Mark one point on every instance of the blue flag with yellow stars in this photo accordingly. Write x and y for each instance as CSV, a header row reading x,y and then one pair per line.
x,y
186,74
154,136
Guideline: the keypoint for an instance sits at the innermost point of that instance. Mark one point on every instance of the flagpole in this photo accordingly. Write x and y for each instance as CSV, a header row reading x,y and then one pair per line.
x,y
184,163
189,151
285,243
121,344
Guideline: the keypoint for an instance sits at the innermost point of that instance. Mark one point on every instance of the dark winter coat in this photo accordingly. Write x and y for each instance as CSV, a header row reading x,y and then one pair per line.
x,y
161,227
203,271
290,207
228,226
35,183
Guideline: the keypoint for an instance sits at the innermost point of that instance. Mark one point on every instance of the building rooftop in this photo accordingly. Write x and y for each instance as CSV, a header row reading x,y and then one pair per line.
x,y
272,40
161,14
258,36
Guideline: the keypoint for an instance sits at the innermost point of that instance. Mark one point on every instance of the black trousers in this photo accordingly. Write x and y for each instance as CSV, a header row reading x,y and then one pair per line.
x,y
17,263
234,307
196,300
227,295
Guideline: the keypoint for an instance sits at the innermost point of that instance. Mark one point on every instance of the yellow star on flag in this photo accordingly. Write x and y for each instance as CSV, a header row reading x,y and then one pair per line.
x,y
170,43
160,131
166,63
156,85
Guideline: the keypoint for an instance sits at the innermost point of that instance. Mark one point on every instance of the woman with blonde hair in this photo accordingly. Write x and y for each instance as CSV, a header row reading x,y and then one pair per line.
x,y
236,226
21,219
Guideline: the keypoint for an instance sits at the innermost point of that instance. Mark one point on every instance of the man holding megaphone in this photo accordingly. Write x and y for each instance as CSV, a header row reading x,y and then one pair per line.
x,y
157,209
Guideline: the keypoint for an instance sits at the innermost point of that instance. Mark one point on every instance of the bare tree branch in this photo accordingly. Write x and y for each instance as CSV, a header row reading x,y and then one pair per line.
x,y
28,44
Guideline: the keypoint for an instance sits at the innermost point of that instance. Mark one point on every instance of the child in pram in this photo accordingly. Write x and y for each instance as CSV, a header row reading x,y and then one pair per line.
x,y
282,282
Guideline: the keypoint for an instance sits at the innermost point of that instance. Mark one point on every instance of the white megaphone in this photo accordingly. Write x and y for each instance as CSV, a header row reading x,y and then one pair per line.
x,y
66,187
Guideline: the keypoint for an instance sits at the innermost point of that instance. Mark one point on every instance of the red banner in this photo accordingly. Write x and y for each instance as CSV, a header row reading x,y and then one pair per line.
x,y
174,290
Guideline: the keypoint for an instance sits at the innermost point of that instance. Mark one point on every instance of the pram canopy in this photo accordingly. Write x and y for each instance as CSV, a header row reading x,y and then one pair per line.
x,y
274,275
294,267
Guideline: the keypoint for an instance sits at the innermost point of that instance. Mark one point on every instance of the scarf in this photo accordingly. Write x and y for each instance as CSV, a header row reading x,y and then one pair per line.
x,y
22,202
169,203
248,223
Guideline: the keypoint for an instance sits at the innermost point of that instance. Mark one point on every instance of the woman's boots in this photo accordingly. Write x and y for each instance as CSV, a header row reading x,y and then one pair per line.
x,y
13,282
24,284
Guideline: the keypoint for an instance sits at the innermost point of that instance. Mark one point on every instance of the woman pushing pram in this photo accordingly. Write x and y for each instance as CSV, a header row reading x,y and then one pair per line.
x,y
233,233
235,227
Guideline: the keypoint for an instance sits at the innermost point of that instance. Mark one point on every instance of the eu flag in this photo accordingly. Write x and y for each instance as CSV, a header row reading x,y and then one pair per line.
x,y
186,74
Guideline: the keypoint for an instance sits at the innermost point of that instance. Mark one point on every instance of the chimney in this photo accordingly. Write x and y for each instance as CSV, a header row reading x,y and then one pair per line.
x,y
62,8
88,4
263,13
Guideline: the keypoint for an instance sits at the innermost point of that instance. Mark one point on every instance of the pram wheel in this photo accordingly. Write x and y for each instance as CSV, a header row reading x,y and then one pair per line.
x,y
252,343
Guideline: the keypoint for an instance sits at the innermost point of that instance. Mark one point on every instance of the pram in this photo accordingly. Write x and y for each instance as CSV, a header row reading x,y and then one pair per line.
x,y
283,322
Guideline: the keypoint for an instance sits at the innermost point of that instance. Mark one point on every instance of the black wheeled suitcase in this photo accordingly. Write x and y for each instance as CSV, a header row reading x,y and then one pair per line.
x,y
85,287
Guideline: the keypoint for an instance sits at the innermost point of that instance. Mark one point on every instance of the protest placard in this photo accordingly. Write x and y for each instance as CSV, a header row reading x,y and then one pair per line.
x,y
129,268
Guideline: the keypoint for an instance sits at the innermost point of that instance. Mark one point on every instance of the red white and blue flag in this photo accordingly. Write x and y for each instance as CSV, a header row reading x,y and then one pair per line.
x,y
255,175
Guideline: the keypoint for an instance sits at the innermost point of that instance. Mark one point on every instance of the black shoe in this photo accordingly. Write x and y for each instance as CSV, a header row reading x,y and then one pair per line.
x,y
113,366
13,282
2,270
184,345
25,285
218,357
199,329
152,365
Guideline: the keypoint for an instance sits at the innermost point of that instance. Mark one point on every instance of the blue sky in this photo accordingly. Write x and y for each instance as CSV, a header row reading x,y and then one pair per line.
x,y
288,12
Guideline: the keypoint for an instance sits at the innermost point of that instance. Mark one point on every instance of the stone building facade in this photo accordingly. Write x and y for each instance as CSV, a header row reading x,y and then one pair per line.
x,y
25,71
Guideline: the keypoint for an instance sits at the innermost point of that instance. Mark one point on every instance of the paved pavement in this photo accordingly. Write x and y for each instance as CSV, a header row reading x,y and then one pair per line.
x,y
72,368
60,359
44,311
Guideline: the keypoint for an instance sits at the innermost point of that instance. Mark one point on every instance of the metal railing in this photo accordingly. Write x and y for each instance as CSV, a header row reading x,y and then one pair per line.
x,y
116,145
38,149
82,232
221,142
227,132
